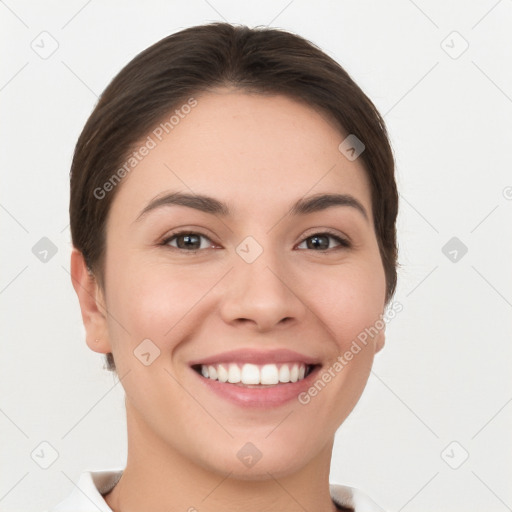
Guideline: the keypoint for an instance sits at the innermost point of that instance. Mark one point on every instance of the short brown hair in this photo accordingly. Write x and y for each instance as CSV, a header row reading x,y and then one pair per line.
x,y
194,60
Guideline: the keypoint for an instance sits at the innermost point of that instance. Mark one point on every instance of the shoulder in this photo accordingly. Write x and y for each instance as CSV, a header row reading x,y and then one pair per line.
x,y
353,498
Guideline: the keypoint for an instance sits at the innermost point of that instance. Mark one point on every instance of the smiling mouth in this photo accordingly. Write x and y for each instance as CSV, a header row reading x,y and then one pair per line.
x,y
254,375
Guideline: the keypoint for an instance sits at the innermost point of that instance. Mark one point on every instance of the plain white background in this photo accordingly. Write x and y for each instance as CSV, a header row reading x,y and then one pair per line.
x,y
440,390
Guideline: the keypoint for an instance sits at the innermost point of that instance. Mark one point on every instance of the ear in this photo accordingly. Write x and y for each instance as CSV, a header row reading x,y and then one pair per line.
x,y
380,340
92,304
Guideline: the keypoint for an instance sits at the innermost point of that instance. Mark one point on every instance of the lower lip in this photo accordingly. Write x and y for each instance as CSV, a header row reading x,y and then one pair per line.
x,y
264,396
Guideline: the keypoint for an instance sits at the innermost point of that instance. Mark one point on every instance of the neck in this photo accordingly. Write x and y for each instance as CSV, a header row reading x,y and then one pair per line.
x,y
159,478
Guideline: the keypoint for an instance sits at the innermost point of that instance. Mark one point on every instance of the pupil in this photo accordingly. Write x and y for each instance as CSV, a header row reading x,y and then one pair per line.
x,y
187,238
316,241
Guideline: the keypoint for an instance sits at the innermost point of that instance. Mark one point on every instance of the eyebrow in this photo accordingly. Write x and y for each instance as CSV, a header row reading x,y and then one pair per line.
x,y
207,204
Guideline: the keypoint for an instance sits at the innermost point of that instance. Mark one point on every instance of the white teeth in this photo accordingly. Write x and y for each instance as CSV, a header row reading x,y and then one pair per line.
x,y
233,373
294,373
212,372
269,374
284,373
252,374
222,373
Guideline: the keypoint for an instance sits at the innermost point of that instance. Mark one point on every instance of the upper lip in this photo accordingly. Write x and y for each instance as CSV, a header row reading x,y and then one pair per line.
x,y
257,357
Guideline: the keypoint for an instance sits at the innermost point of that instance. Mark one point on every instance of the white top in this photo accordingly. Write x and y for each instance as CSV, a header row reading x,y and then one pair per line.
x,y
87,495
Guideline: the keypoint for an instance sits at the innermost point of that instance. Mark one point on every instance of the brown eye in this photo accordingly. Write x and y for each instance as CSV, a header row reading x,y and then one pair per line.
x,y
320,241
187,241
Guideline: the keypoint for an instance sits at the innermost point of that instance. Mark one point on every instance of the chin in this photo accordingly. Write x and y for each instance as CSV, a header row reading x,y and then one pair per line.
x,y
260,460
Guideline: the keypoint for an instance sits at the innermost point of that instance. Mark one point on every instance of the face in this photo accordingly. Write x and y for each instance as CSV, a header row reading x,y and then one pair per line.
x,y
196,295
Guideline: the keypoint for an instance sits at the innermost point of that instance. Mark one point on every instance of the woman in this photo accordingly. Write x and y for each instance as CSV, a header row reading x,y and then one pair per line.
x,y
233,209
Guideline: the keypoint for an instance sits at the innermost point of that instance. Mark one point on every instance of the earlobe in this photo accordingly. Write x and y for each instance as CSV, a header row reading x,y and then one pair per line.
x,y
380,342
92,304
381,339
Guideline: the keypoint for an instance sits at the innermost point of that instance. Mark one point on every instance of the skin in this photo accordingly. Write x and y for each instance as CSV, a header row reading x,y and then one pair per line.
x,y
259,154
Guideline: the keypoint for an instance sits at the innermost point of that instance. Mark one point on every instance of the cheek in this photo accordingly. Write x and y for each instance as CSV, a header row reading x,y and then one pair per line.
x,y
348,300
156,302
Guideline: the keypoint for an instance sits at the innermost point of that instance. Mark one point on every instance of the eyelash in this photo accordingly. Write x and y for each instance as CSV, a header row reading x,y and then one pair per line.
x,y
343,243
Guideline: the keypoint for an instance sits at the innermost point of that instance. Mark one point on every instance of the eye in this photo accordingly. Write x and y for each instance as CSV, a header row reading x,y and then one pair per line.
x,y
190,241
187,241
320,241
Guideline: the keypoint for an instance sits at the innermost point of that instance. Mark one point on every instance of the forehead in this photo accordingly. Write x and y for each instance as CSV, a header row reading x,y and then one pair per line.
x,y
247,149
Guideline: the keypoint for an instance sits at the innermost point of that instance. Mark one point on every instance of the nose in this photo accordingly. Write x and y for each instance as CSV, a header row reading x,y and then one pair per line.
x,y
261,294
